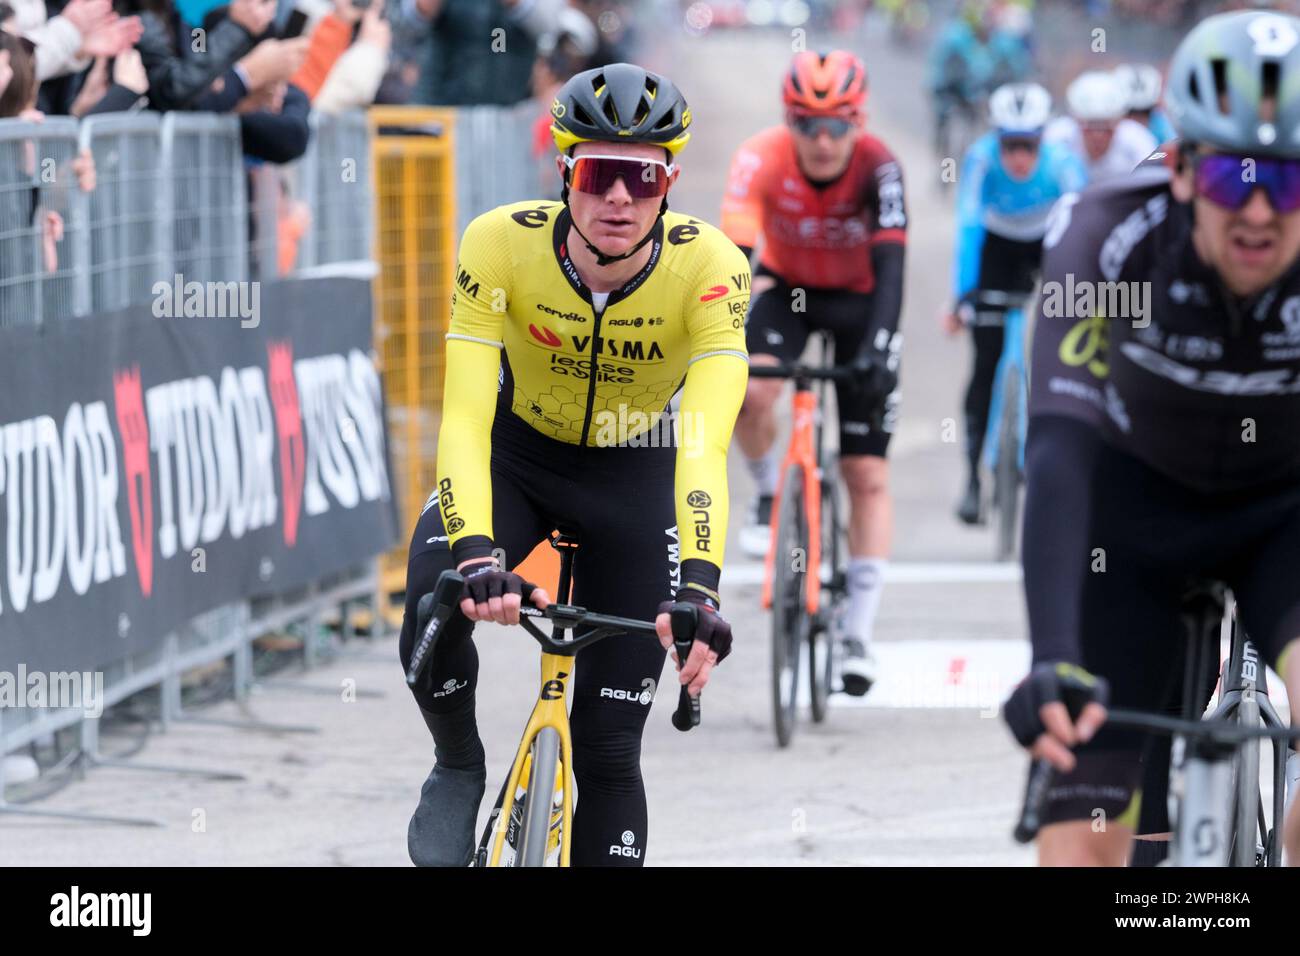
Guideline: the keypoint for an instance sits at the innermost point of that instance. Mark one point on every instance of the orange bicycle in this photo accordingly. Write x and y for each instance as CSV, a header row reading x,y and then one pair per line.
x,y
806,556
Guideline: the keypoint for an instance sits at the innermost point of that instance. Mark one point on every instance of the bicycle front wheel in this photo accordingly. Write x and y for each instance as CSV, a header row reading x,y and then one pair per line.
x,y
820,651
1245,790
538,802
789,615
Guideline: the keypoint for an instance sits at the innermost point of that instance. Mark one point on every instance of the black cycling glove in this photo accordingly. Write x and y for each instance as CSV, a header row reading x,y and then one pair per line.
x,y
710,626
486,580
1046,683
872,375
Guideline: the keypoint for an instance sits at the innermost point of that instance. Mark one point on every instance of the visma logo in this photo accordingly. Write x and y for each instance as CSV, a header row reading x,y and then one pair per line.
x,y
545,336
627,849
450,687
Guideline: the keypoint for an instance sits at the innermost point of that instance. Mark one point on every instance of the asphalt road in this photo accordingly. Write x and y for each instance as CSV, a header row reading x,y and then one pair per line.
x,y
921,773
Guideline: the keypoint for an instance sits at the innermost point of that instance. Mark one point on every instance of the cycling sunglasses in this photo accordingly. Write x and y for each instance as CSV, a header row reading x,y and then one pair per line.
x,y
1229,180
806,124
643,178
1019,144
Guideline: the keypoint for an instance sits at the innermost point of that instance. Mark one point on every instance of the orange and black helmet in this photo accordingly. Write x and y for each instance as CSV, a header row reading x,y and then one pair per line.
x,y
834,82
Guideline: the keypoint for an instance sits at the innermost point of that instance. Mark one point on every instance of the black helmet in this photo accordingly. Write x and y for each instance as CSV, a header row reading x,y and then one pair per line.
x,y
620,103
1222,71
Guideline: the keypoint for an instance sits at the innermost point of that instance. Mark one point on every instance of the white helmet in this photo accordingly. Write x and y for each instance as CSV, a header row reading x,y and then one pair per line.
x,y
1142,82
1020,108
1095,95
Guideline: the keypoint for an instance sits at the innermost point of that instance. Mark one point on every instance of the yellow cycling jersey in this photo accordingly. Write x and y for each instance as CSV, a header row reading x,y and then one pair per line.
x,y
523,322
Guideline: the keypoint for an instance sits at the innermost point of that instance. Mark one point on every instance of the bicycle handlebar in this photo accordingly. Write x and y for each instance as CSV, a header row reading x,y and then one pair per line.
x,y
836,373
1214,731
444,599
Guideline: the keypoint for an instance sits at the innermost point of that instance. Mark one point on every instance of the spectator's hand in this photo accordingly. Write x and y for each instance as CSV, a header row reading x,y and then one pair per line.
x,y
128,71
51,236
274,61
346,11
6,71
112,37
85,15
253,15
428,8
269,99
375,28
93,88
32,115
84,167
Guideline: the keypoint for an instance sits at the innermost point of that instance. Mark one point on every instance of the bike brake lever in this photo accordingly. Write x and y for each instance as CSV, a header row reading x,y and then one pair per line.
x,y
684,618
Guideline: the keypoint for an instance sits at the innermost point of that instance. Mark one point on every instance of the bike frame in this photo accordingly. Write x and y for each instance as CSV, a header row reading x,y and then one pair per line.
x,y
804,450
1011,362
550,711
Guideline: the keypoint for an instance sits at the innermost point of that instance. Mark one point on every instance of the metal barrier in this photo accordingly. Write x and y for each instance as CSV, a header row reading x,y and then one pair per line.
x,y
40,202
127,244
172,198
334,180
494,158
207,191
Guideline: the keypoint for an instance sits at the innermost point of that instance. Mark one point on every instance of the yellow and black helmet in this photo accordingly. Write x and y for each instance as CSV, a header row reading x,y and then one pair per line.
x,y
620,103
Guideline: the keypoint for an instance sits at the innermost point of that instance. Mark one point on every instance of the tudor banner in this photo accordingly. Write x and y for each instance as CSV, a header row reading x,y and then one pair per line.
x,y
155,467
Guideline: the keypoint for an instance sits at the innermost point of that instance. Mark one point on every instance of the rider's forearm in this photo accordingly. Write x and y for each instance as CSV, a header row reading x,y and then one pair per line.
x,y
1060,457
887,262
715,387
966,261
465,447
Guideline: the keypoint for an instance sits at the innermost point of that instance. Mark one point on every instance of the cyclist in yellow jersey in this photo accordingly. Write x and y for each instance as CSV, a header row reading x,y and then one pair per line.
x,y
595,366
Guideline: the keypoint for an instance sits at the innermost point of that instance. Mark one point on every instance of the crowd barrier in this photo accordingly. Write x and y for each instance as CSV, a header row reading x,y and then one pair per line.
x,y
387,191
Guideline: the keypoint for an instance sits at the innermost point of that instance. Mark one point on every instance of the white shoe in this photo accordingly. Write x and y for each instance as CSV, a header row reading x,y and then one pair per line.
x,y
756,535
857,667
20,768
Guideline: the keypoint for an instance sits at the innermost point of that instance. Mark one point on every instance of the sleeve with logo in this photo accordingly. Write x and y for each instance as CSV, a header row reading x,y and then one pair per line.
x,y
715,387
474,343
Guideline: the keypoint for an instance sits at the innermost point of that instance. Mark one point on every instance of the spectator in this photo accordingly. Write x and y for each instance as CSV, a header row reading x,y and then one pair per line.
x,y
270,62
182,64
561,54
330,38
482,51
272,111
83,29
356,77
112,86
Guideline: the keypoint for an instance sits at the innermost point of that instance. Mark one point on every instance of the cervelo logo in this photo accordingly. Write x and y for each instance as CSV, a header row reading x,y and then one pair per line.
x,y
450,687
644,696
714,292
571,316
545,336
627,849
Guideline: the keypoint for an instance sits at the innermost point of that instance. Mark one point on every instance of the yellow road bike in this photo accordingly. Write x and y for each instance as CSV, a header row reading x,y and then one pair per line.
x,y
536,830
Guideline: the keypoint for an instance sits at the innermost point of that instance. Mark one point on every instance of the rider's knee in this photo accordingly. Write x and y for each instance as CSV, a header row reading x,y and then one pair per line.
x,y
865,476
760,395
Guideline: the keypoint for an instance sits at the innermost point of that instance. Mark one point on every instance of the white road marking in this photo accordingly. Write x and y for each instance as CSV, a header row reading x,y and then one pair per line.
x,y
904,572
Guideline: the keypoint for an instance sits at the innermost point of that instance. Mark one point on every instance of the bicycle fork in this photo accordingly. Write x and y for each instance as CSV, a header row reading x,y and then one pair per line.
x,y
549,713
799,453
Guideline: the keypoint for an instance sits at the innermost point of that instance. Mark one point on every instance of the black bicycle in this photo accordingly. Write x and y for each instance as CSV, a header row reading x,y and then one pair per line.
x,y
1215,799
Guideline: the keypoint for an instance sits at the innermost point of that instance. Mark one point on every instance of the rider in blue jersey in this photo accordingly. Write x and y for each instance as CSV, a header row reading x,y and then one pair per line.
x,y
1009,181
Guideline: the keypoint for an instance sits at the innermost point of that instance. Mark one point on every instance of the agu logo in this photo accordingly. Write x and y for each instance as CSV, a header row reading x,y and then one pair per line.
x,y
545,336
626,849
714,292
699,499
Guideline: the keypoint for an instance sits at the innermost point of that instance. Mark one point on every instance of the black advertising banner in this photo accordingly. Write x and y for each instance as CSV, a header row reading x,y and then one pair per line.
x,y
154,467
